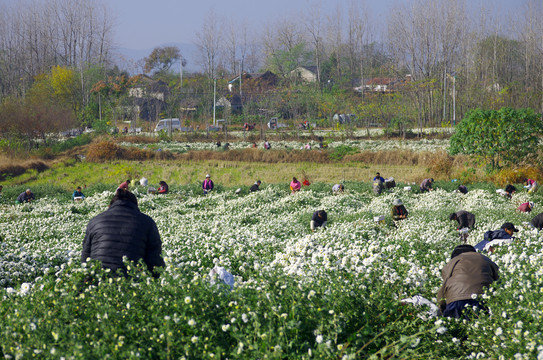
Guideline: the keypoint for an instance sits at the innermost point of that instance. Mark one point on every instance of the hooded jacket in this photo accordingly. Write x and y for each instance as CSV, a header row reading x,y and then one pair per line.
x,y
466,274
122,230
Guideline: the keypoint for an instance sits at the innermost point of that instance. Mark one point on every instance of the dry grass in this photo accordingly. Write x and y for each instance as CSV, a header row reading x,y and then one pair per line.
x,y
104,151
10,167
257,155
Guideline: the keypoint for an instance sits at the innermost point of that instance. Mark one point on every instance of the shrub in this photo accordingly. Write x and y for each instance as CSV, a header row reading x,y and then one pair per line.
x,y
103,150
516,176
440,164
339,152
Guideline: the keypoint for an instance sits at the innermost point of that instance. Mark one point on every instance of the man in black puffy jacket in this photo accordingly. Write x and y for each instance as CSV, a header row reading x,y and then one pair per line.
x,y
122,230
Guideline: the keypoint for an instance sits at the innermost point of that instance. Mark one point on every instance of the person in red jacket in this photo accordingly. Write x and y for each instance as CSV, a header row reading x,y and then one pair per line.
x,y
526,207
163,188
125,185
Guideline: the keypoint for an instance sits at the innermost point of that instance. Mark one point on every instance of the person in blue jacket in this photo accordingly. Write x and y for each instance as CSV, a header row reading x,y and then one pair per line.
x,y
26,196
77,193
379,177
504,233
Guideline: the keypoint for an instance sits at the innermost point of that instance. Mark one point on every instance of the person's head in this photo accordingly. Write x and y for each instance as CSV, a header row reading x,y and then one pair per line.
x,y
208,177
431,179
28,191
258,182
509,228
460,249
530,203
397,202
453,216
128,181
122,194
321,213
78,188
377,174
341,187
294,179
162,182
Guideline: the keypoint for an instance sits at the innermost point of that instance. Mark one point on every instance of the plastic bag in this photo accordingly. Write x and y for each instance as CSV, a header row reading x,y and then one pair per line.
x,y
219,273
418,300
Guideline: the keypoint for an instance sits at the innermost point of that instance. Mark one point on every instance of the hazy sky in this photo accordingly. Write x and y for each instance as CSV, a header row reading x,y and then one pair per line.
x,y
145,24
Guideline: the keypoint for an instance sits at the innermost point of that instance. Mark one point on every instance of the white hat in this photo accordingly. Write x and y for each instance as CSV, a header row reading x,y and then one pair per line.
x,y
208,175
531,204
397,202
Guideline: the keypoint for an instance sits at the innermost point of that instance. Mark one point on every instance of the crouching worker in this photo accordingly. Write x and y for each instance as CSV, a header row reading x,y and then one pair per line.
x,y
398,211
464,218
26,196
122,230
497,237
163,187
466,275
77,194
318,219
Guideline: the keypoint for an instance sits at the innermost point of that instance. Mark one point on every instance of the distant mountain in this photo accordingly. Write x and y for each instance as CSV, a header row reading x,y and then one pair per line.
x,y
132,59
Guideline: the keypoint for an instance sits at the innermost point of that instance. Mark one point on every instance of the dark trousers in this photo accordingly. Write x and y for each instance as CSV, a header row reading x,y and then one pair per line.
x,y
463,308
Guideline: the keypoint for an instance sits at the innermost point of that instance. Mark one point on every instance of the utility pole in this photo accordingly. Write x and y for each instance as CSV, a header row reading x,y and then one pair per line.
x,y
445,95
454,99
240,80
180,87
214,96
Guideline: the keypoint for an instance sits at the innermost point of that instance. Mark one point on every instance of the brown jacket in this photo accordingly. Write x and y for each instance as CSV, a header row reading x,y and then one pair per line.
x,y
466,274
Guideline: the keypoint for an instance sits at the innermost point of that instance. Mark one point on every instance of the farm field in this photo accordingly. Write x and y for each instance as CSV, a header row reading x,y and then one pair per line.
x,y
334,293
370,145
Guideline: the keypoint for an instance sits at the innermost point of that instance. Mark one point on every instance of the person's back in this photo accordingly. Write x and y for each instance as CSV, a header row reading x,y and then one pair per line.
x,y
525,207
122,230
463,189
466,274
537,221
465,219
378,186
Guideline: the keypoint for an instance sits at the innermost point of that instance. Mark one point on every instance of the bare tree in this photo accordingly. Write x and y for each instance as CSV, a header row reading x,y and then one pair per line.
x,y
284,46
208,42
313,25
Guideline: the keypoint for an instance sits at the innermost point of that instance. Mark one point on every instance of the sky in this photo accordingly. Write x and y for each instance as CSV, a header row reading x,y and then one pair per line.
x,y
145,24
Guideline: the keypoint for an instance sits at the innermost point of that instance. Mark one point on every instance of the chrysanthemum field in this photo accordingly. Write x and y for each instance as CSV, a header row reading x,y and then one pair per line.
x,y
330,294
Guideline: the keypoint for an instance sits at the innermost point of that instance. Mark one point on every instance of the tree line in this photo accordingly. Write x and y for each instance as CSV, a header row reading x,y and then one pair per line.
x,y
445,57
